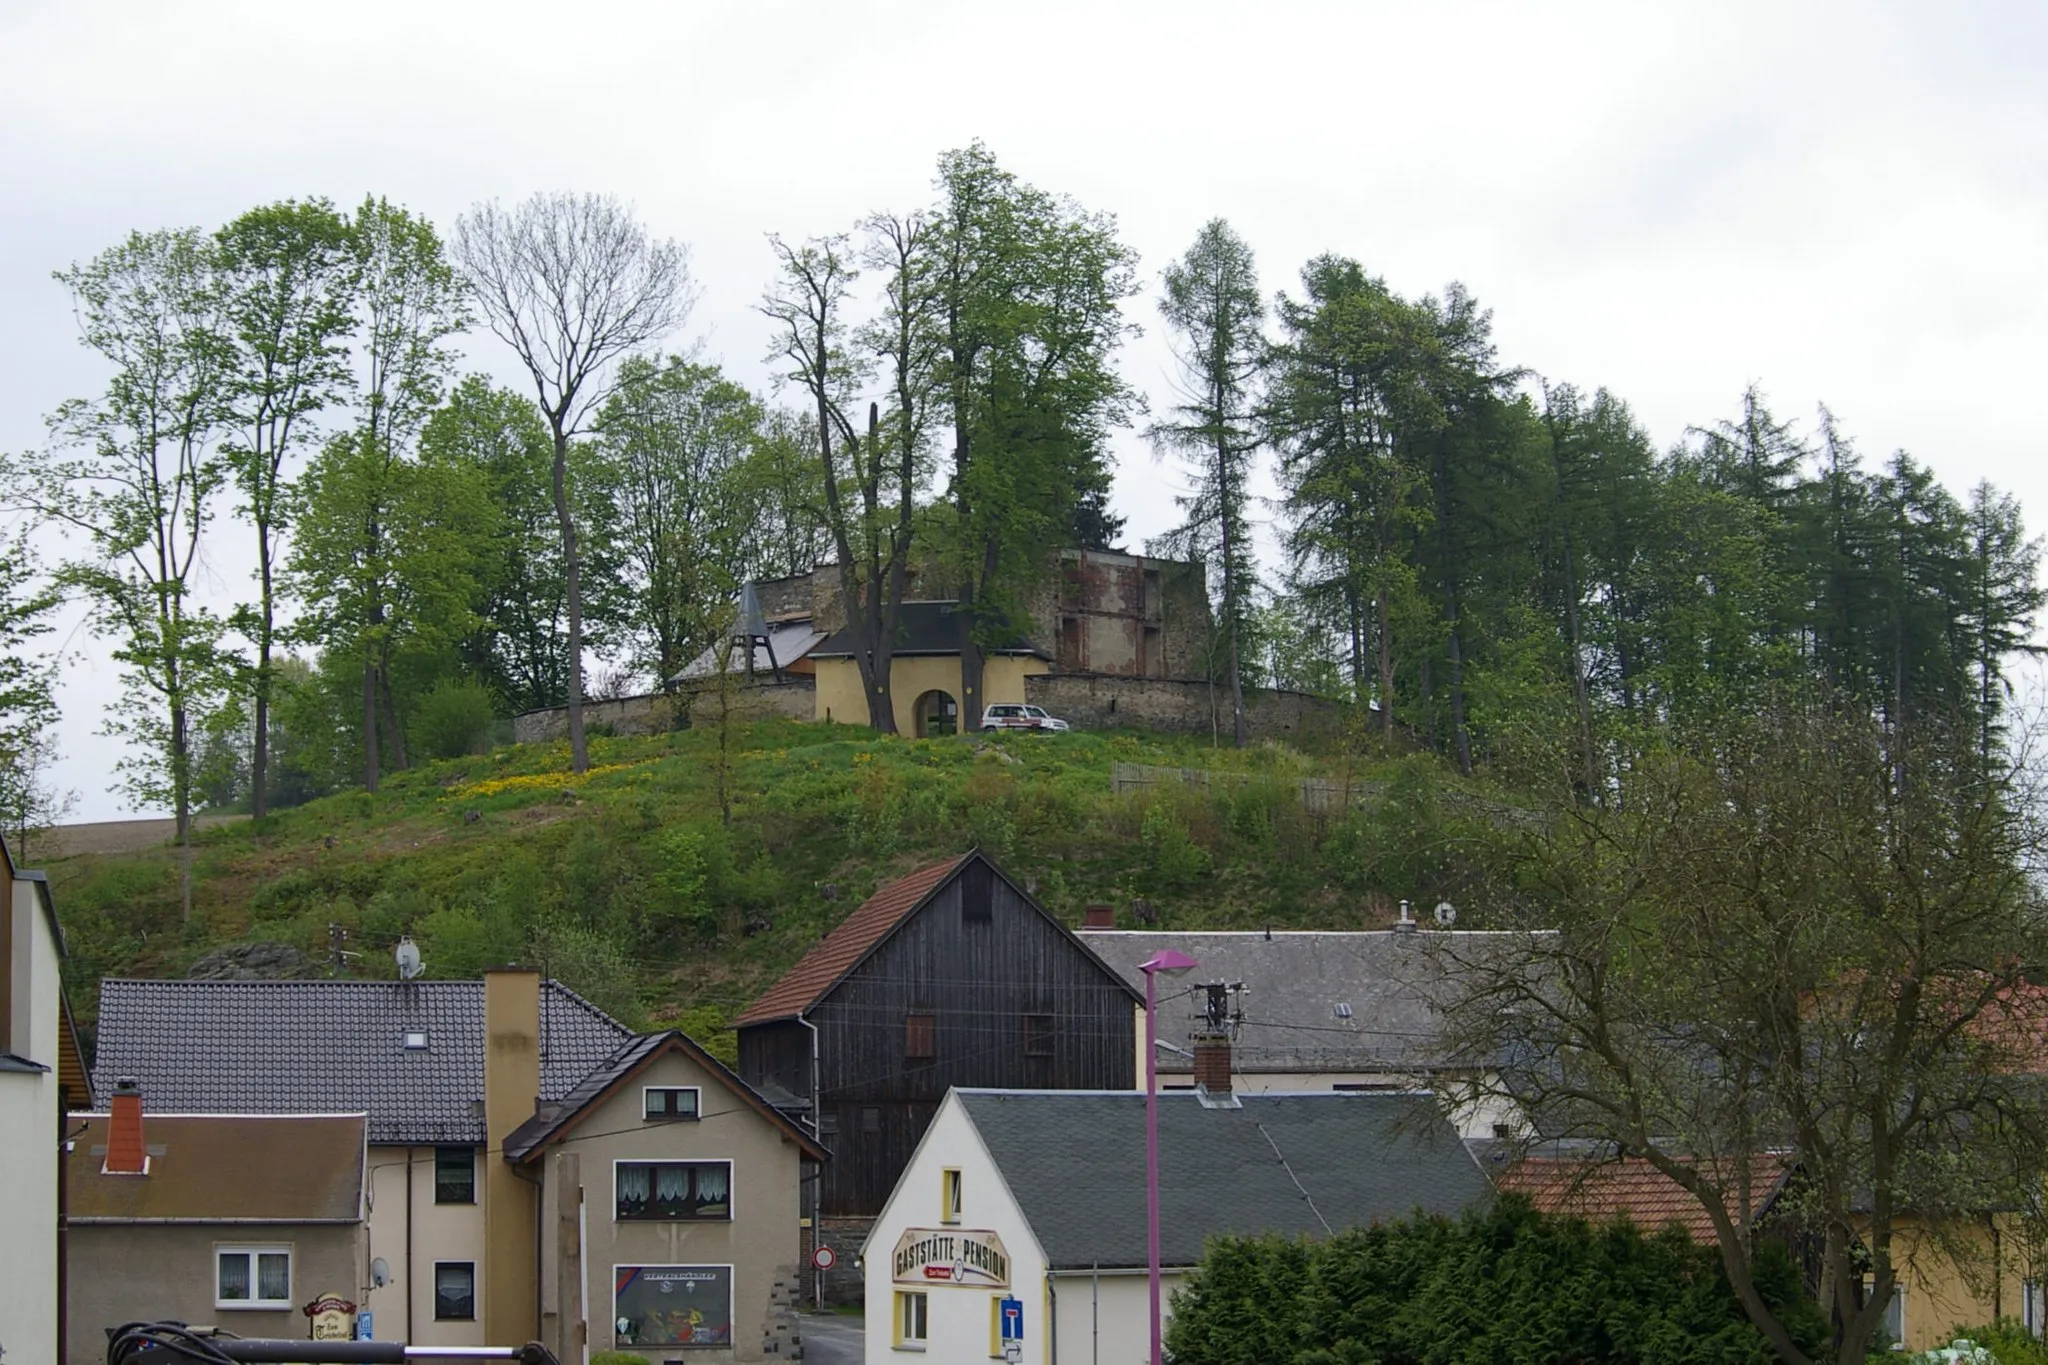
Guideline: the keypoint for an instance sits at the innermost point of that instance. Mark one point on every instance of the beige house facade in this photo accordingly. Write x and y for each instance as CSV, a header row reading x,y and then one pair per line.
x,y
236,1220
669,1194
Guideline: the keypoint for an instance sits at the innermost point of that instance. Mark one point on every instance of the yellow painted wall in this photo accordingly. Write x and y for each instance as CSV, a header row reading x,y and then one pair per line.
x,y
839,695
1943,1294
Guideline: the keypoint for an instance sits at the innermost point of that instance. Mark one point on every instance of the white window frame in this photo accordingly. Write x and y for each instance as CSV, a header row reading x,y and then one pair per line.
x,y
2032,1306
732,1208
899,1330
253,1250
697,1105
952,1194
474,1316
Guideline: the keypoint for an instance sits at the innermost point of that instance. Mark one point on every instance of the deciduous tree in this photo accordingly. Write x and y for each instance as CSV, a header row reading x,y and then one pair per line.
x,y
572,283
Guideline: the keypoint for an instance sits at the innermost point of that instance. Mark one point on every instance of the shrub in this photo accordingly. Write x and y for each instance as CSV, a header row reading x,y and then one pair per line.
x,y
1176,860
455,718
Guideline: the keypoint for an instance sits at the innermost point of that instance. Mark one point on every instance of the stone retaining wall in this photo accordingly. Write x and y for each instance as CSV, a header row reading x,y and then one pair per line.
x,y
655,713
1093,701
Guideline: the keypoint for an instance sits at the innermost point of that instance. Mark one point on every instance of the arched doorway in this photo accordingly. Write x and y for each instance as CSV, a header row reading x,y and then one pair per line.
x,y
937,714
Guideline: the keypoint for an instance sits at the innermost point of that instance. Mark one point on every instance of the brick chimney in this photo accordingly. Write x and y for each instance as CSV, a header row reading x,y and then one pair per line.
x,y
1098,917
1212,1064
126,1154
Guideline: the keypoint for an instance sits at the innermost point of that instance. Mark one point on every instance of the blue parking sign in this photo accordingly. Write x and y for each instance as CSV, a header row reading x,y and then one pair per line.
x,y
1013,1319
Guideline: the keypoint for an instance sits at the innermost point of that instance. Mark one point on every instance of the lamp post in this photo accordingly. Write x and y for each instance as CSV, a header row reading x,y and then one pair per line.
x,y
1166,962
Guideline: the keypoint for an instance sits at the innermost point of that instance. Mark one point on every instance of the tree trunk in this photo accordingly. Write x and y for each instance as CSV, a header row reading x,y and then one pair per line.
x,y
1224,510
373,761
392,729
181,801
579,748
1580,697
1381,606
259,754
1461,738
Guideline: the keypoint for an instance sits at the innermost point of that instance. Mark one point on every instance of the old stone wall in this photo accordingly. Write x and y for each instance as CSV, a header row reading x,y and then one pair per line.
x,y
656,713
1093,701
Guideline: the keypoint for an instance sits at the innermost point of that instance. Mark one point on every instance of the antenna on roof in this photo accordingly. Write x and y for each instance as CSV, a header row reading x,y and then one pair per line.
x,y
408,955
1405,924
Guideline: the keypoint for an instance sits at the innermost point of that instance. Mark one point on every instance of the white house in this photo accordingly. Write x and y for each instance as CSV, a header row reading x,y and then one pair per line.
x,y
1031,1203
41,1076
1319,1010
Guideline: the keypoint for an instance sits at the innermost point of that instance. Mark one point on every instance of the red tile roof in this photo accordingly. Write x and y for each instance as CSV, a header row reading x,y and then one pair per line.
x,y
842,949
1602,1191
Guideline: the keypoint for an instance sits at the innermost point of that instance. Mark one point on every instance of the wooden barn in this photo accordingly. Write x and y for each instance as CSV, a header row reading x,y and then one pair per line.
x,y
949,976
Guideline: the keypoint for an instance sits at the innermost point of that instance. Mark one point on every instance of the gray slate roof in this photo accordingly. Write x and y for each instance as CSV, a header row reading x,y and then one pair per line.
x,y
297,1047
1075,1161
1295,984
926,628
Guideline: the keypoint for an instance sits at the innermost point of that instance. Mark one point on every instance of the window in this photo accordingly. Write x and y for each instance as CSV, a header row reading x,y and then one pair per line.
x,y
454,1291
670,1102
2031,1306
674,1191
977,892
415,1040
911,1323
949,1195
672,1305
1038,1035
455,1175
920,1043
1893,1328
252,1277
870,1119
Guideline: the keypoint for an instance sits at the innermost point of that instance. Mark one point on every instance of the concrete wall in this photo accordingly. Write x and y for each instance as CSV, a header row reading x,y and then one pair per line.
x,y
655,713
125,1273
1185,705
405,1217
29,1110
760,1242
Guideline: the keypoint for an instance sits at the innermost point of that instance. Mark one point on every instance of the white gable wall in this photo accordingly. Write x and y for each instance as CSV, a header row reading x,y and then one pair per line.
x,y
29,1106
958,1315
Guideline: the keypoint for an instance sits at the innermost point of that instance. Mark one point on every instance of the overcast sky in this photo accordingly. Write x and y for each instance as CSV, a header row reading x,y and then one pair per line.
x,y
1847,203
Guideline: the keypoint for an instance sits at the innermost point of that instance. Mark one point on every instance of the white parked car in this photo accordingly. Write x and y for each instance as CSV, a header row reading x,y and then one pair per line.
x,y
1018,716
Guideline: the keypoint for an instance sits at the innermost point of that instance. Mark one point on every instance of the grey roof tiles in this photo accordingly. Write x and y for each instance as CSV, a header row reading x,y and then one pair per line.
x,y
1281,1163
280,1047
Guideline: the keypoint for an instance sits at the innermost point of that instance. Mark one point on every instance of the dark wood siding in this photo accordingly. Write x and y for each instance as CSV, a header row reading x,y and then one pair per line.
x,y
979,975
777,1054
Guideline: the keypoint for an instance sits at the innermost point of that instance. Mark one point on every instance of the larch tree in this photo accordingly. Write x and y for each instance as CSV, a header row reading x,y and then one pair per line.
x,y
1212,307
287,277
408,305
808,305
572,283
136,475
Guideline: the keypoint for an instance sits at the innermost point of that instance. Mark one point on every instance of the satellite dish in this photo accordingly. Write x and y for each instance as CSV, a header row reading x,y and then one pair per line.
x,y
408,959
380,1272
1446,914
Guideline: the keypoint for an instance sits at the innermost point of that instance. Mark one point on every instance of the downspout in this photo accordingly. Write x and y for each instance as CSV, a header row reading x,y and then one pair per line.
x,y
64,1146
817,1181
408,1242
1095,1316
1052,1320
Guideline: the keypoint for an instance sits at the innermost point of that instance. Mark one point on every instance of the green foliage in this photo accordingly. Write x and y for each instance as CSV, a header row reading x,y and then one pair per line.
x,y
617,1358
707,1028
2008,1340
454,718
1176,861
1504,1285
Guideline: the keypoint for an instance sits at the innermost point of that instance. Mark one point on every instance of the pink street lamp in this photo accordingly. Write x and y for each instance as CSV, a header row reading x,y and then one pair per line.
x,y
1167,962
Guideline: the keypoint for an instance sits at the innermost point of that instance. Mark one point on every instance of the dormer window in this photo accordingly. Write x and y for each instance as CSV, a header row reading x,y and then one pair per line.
x,y
415,1040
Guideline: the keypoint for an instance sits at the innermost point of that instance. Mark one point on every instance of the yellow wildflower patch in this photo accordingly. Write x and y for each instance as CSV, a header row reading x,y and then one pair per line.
x,y
493,786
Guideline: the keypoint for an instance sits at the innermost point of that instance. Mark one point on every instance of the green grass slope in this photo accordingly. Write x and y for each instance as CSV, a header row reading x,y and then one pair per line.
x,y
683,872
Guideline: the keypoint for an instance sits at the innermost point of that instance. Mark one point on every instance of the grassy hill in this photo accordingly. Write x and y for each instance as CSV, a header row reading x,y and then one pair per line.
x,y
683,872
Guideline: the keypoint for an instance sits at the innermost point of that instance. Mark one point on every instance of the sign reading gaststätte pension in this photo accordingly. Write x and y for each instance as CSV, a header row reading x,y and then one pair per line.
x,y
926,1256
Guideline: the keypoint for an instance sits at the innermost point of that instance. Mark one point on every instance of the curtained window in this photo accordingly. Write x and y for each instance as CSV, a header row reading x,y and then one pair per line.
x,y
674,1191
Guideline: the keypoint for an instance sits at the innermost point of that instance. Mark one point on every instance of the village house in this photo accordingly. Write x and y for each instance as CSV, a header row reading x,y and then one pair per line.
x,y
1032,1203
1316,1010
237,1220
42,1076
950,976
478,1097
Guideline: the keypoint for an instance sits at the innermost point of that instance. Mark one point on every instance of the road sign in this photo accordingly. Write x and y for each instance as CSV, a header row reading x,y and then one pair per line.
x,y
1013,1319
823,1258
